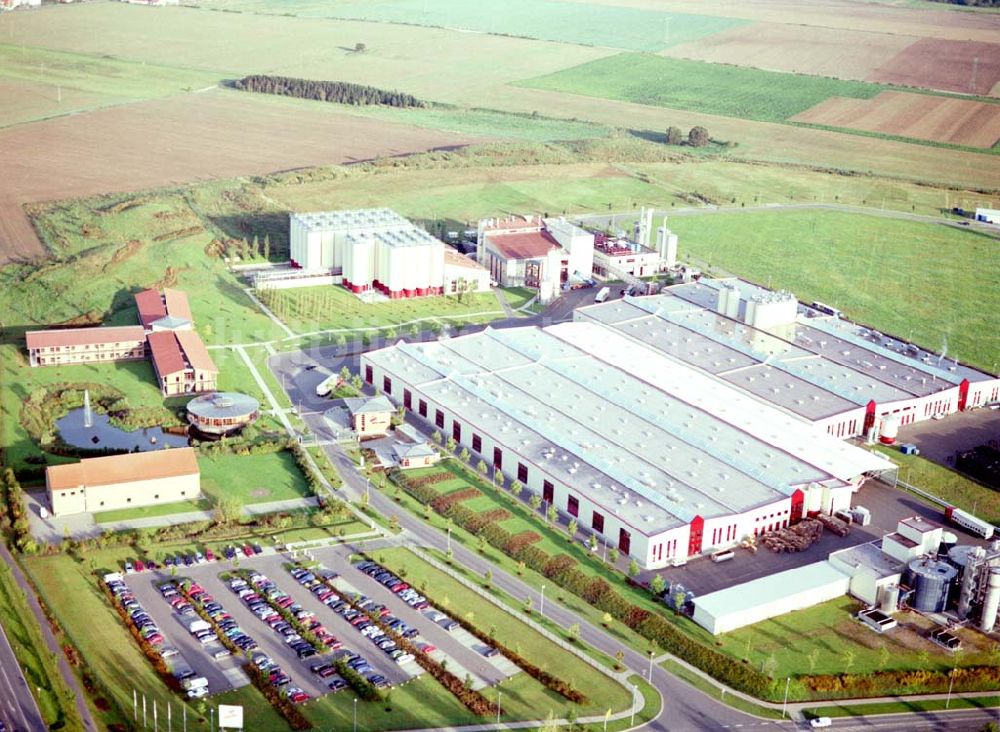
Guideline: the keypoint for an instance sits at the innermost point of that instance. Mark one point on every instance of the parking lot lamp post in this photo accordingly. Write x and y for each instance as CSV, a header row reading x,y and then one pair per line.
x,y
449,540
499,697
784,704
649,674
211,726
632,719
541,605
355,714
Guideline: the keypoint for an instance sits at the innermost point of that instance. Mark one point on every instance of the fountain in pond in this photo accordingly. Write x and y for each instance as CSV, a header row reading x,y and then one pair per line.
x,y
88,415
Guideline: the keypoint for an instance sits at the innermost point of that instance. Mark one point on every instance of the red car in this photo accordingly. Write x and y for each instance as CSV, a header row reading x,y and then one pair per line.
x,y
400,587
209,555
247,550
298,697
139,566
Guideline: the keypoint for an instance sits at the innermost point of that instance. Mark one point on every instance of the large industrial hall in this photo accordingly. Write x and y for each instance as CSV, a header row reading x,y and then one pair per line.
x,y
663,461
844,378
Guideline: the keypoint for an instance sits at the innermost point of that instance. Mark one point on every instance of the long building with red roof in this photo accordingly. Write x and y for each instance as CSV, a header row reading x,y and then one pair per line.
x,y
85,345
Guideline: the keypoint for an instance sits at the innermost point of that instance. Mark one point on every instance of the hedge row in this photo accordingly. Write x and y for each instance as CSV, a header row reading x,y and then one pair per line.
x,y
365,689
430,479
473,700
519,541
296,719
882,682
487,518
441,504
148,649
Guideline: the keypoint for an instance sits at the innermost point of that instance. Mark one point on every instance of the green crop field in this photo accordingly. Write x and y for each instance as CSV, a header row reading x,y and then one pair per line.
x,y
729,91
590,24
913,280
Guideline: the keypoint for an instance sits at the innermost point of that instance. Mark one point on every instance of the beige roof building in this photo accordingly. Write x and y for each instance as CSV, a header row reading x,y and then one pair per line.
x,y
122,481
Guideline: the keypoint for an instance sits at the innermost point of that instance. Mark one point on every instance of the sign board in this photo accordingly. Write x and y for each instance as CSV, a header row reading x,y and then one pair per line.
x,y
230,717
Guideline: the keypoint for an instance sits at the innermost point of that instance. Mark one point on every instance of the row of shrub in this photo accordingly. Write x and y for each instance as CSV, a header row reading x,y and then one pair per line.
x,y
285,707
442,504
473,700
969,678
307,635
565,571
549,680
365,689
13,513
430,479
148,649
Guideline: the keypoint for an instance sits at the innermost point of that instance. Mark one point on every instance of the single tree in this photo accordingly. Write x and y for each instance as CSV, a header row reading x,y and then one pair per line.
x,y
535,501
464,455
613,555
551,514
698,137
657,584
482,468
674,136
360,47
633,568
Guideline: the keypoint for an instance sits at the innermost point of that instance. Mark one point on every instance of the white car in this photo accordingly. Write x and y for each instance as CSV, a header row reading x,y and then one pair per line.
x,y
820,722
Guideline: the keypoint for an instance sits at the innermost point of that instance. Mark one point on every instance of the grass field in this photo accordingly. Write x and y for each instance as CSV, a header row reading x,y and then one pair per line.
x,y
892,275
581,23
602,692
55,700
63,83
235,375
946,484
907,707
252,478
729,91
144,512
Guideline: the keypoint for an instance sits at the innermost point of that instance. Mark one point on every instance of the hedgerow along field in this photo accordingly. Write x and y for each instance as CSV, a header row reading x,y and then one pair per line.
x,y
588,24
913,280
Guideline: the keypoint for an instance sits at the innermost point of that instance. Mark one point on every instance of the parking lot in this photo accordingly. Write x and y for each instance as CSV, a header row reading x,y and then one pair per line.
x,y
463,652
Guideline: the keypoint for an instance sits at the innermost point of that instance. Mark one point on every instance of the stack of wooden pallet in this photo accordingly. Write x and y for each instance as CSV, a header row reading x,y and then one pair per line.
x,y
795,538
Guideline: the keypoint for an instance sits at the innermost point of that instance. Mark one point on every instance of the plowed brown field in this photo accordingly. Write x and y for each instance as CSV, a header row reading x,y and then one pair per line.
x,y
921,116
967,67
843,54
177,140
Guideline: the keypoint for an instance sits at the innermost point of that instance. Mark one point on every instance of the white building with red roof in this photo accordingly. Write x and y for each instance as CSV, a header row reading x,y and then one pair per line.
x,y
181,362
85,345
544,254
164,310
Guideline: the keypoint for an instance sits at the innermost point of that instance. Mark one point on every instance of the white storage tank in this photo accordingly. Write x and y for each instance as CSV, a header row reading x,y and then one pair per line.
x,y
890,429
992,602
889,599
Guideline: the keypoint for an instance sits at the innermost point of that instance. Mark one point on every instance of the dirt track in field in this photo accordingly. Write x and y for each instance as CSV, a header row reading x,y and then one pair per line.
x,y
960,66
921,116
179,140
843,54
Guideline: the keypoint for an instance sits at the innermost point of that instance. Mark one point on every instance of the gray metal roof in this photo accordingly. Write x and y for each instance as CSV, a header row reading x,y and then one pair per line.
x,y
222,405
369,405
657,450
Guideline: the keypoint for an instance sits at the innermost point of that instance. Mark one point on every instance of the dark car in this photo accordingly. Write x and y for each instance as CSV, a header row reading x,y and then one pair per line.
x,y
337,684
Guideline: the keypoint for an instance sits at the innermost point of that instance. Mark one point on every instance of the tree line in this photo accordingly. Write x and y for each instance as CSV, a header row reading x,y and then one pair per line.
x,y
341,92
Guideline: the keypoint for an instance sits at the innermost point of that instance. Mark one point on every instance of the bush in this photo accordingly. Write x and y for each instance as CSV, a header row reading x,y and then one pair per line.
x,y
485,519
557,565
519,541
441,504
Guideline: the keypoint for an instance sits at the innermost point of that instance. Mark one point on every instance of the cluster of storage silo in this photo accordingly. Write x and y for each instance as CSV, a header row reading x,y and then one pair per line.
x,y
978,586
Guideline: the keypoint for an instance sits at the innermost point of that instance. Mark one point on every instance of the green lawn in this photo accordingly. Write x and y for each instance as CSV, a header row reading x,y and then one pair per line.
x,y
681,672
55,83
235,375
55,700
134,379
946,484
142,512
259,356
874,269
582,23
729,91
252,478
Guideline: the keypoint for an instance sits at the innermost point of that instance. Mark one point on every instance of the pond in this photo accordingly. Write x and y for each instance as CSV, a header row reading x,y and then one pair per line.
x,y
103,434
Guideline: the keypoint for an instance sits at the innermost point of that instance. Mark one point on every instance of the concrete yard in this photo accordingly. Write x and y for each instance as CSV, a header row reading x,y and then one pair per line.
x,y
886,504
939,440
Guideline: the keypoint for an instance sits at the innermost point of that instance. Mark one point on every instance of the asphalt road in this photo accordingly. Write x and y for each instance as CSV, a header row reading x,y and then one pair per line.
x,y
17,706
